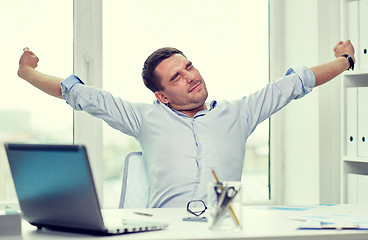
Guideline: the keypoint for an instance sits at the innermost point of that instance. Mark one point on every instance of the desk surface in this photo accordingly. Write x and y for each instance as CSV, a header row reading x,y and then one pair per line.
x,y
259,223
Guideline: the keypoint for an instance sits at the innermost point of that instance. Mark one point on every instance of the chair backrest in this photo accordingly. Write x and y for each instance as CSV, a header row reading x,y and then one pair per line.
x,y
135,187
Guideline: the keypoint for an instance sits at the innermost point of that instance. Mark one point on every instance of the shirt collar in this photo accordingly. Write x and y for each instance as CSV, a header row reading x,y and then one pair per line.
x,y
213,104
210,107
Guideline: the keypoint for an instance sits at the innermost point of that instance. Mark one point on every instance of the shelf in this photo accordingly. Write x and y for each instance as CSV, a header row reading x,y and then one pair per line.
x,y
355,159
356,72
353,103
356,79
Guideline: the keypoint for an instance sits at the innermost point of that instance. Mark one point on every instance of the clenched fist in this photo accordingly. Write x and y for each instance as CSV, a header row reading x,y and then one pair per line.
x,y
28,58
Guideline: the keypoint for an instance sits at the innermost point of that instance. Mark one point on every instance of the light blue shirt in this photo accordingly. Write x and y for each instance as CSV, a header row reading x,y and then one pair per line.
x,y
180,151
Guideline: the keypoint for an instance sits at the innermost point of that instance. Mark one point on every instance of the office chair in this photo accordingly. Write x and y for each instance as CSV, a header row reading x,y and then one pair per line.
x,y
135,187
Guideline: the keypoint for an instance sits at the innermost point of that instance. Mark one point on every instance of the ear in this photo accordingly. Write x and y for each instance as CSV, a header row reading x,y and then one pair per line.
x,y
161,97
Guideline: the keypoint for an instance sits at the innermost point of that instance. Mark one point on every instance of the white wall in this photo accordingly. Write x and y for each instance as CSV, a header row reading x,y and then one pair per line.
x,y
329,33
304,128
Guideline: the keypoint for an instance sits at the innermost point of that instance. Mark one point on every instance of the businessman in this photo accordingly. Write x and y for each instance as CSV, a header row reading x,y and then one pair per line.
x,y
181,135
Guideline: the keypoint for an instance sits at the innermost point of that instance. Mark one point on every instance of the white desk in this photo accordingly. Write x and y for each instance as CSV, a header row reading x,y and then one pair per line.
x,y
259,223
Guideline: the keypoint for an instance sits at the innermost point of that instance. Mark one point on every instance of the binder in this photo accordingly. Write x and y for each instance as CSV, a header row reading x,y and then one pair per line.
x,y
362,189
363,121
363,34
352,26
351,121
352,188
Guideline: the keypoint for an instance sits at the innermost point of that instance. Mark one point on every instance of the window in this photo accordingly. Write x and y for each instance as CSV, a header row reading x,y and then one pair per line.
x,y
208,31
26,114
219,37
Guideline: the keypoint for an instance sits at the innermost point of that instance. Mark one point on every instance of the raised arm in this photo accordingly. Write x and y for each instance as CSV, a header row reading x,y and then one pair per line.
x,y
328,71
27,70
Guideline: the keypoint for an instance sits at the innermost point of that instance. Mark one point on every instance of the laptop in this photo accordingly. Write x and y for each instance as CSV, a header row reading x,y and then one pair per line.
x,y
55,189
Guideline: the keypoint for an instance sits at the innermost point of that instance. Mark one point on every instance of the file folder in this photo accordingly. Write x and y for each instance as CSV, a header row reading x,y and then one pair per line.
x,y
352,188
363,121
352,26
351,121
363,34
362,189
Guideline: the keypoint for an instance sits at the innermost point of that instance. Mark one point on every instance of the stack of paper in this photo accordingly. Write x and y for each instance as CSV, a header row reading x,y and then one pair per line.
x,y
334,221
10,223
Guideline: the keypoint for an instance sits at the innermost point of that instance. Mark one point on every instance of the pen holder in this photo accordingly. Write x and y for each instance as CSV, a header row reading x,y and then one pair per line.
x,y
225,206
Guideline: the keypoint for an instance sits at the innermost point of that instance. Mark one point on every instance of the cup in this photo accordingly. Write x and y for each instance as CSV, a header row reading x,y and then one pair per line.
x,y
225,206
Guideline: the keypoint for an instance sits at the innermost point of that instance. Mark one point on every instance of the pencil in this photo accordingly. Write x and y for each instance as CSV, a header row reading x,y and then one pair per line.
x,y
230,208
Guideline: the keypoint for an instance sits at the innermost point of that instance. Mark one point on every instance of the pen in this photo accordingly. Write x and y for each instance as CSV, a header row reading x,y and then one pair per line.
x,y
230,208
144,214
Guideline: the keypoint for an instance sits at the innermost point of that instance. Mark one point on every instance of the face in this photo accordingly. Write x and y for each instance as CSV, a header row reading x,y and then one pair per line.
x,y
183,86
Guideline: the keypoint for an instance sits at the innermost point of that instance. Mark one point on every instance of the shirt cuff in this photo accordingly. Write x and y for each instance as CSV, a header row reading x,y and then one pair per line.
x,y
68,83
306,77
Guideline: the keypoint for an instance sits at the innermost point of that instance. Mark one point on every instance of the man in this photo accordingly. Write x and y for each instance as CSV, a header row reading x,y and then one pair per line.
x,y
182,137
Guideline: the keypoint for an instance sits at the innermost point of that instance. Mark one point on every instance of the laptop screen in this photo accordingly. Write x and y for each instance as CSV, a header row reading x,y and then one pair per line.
x,y
54,185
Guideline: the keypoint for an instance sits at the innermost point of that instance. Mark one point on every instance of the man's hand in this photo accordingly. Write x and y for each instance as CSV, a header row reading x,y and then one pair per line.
x,y
326,72
28,59
47,83
344,48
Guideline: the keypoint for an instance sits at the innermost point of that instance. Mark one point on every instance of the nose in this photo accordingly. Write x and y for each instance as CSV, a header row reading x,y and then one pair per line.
x,y
190,77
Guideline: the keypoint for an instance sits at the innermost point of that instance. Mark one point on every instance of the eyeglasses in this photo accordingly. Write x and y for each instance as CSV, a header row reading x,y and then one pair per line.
x,y
196,207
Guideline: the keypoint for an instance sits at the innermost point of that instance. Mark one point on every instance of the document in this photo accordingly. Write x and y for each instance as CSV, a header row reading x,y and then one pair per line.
x,y
334,222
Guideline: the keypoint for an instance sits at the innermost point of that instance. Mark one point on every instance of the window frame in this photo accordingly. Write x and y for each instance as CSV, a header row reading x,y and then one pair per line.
x,y
88,65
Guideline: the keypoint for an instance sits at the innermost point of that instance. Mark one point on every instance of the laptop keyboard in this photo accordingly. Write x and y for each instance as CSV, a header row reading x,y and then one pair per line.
x,y
130,226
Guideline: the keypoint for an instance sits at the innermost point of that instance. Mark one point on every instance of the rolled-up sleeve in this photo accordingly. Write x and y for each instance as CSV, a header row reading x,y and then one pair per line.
x,y
67,84
306,77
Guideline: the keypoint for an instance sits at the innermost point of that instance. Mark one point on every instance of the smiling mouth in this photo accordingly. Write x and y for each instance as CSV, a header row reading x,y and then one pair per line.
x,y
196,87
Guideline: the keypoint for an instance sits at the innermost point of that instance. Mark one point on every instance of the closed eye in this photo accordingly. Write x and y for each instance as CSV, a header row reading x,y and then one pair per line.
x,y
174,77
189,66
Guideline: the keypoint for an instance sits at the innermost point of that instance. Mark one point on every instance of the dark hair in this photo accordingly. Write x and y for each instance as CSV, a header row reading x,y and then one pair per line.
x,y
149,78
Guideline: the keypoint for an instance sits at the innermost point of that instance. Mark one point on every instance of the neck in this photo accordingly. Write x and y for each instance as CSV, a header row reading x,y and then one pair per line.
x,y
192,112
